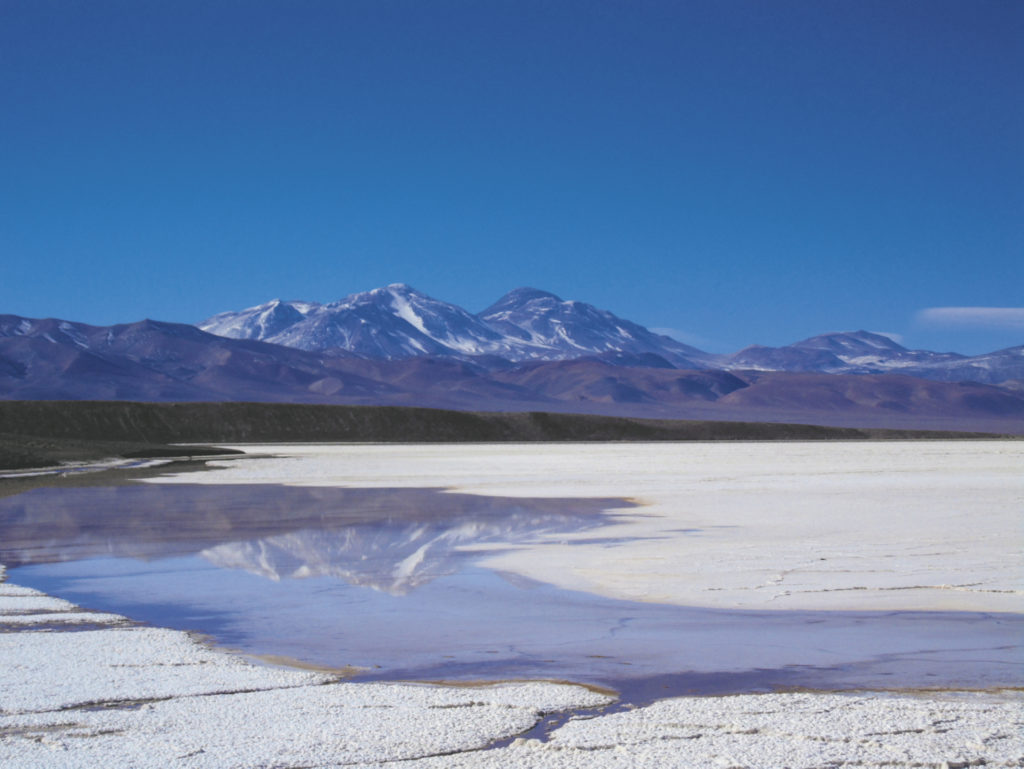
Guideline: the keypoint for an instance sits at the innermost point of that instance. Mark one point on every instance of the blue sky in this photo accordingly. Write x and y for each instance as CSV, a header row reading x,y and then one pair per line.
x,y
739,171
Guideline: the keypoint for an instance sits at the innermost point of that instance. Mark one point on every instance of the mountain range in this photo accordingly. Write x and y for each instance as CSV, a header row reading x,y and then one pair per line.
x,y
530,350
398,322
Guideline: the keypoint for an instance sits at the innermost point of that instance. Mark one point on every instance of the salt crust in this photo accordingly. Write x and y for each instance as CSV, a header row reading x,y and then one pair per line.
x,y
17,604
7,589
901,526
10,621
151,697
146,697
21,606
768,731
309,726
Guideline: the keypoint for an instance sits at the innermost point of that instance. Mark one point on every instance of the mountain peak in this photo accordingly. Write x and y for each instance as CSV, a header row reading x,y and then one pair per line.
x,y
849,342
384,292
528,293
518,298
397,321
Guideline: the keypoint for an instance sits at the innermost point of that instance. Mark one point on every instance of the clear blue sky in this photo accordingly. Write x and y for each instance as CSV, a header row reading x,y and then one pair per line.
x,y
741,171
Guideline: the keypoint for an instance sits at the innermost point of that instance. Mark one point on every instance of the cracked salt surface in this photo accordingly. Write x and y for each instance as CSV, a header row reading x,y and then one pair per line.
x,y
26,608
878,526
146,697
926,517
774,730
149,697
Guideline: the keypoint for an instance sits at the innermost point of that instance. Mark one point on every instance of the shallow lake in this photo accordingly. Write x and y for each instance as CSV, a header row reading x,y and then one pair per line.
x,y
386,582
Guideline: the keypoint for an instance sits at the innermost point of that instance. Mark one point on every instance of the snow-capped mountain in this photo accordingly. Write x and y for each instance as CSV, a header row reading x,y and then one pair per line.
x,y
1005,367
555,329
845,351
398,321
155,361
863,352
387,323
262,322
872,352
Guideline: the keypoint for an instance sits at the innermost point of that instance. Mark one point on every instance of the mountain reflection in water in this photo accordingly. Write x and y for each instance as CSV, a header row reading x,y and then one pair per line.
x,y
390,539
157,553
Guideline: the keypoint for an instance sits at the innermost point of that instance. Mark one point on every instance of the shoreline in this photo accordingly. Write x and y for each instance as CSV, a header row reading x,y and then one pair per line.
x,y
219,710
38,433
151,696
727,496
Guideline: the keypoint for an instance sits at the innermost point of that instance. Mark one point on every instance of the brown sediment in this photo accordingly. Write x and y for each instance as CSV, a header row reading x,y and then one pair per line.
x,y
930,692
274,660
284,661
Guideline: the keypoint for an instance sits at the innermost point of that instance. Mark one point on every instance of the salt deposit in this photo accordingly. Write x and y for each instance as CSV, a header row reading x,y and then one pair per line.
x,y
834,526
767,731
793,526
146,697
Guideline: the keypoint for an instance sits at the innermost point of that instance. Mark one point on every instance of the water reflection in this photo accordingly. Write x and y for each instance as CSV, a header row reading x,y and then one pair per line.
x,y
225,560
476,624
393,540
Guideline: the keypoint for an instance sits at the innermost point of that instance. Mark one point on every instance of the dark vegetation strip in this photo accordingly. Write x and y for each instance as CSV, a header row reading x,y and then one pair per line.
x,y
36,433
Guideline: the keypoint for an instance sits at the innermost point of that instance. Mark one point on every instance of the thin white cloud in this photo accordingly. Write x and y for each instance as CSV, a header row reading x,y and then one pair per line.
x,y
1008,318
897,338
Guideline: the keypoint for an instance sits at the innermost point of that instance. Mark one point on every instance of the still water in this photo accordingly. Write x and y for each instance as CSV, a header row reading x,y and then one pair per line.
x,y
384,582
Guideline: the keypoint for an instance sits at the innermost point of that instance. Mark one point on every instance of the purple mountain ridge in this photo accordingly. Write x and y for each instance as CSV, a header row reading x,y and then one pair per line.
x,y
530,350
398,321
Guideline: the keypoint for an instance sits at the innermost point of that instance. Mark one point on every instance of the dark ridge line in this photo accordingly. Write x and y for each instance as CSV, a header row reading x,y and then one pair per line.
x,y
39,433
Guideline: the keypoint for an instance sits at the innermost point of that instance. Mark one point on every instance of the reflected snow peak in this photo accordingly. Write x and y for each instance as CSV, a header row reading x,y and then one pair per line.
x,y
393,540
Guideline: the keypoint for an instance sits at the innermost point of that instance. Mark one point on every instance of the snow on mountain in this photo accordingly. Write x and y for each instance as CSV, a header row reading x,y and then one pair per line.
x,y
156,361
397,324
398,321
873,352
759,358
387,323
260,322
550,328
851,344
863,352
1002,367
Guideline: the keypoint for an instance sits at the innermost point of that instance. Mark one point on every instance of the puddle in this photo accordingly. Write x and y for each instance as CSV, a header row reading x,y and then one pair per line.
x,y
384,581
389,539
